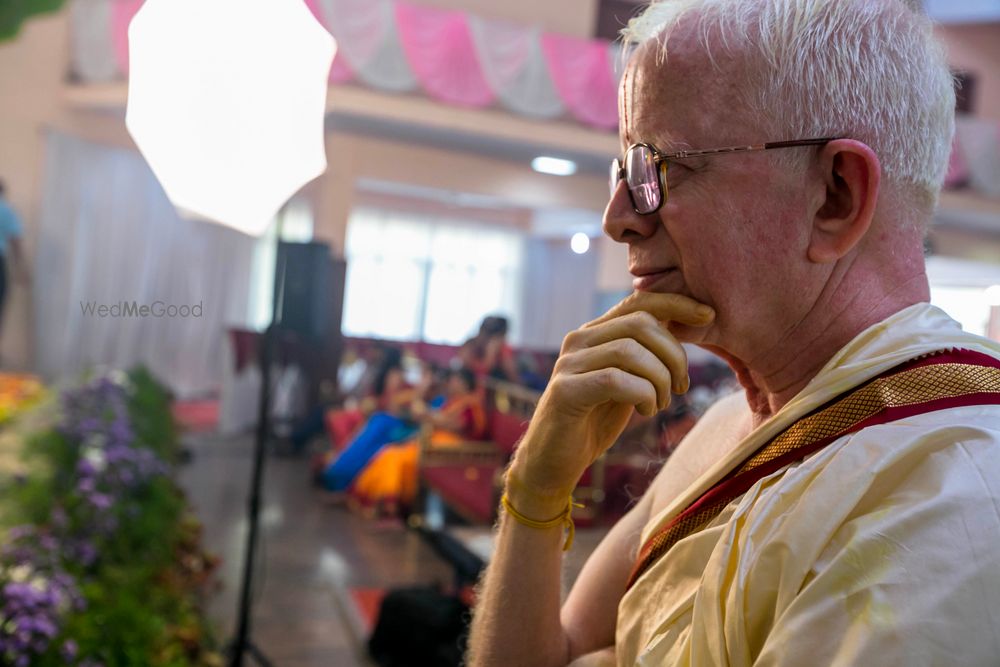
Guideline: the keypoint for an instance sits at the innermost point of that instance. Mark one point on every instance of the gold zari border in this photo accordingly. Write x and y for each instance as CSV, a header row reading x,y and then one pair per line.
x,y
906,388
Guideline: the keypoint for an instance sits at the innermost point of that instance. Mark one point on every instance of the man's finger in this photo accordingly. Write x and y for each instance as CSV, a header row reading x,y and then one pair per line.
x,y
664,307
613,385
628,355
650,335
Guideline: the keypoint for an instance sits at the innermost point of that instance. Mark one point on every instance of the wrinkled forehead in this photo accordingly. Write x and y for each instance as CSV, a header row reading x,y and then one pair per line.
x,y
682,100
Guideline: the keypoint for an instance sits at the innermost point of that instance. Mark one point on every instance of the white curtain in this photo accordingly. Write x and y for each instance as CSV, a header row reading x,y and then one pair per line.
x,y
560,292
108,236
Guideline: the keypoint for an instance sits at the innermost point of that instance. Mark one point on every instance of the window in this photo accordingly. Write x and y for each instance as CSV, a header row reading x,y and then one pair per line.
x,y
421,277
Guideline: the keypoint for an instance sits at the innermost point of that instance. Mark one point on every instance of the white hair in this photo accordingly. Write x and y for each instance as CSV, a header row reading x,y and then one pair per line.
x,y
869,70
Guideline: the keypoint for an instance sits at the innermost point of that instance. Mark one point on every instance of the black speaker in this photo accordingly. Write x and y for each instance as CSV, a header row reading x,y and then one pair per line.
x,y
310,286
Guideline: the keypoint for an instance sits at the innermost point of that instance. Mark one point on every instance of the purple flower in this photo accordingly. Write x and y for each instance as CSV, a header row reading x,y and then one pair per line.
x,y
86,553
69,650
84,468
101,501
48,543
20,532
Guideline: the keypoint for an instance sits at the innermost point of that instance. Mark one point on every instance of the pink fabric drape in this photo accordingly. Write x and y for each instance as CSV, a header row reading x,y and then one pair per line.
x,y
581,74
122,13
340,71
439,48
314,7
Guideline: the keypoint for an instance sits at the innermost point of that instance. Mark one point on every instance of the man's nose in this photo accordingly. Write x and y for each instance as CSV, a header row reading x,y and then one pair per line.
x,y
622,223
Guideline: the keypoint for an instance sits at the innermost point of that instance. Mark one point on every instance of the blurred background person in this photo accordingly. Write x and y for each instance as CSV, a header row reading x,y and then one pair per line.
x,y
393,421
488,354
12,262
388,484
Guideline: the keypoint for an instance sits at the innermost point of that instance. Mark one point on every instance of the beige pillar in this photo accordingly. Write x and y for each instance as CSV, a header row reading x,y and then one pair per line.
x,y
332,193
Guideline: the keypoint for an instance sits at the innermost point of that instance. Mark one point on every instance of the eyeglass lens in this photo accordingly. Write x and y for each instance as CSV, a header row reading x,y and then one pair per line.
x,y
614,176
642,179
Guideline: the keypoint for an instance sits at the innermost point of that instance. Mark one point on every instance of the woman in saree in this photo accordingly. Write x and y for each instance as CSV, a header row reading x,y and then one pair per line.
x,y
392,422
487,353
384,386
389,482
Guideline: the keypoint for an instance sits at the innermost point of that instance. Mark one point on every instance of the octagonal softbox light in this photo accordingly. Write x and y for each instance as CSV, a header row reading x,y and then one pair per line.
x,y
226,102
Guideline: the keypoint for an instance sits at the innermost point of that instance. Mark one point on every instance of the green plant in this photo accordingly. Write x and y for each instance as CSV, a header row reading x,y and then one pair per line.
x,y
100,515
13,13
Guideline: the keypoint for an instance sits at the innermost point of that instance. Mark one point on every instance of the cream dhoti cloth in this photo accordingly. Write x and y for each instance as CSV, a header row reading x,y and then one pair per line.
x,y
881,549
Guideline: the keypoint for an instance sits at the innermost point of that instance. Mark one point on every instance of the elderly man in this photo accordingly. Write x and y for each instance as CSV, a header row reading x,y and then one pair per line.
x,y
845,507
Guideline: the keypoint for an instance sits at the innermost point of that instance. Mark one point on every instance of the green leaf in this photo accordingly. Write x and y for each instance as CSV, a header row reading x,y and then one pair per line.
x,y
13,13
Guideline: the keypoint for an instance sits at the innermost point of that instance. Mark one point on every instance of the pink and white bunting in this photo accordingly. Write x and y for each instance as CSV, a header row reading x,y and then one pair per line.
x,y
398,46
514,65
438,46
122,13
583,78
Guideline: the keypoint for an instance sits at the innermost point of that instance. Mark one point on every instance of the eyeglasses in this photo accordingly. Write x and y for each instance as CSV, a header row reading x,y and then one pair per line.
x,y
644,169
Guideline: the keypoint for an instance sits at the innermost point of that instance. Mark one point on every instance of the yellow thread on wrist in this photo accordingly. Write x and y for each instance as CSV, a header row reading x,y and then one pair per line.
x,y
564,518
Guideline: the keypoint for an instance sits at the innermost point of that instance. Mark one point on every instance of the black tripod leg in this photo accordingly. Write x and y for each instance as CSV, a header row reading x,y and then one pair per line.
x,y
257,655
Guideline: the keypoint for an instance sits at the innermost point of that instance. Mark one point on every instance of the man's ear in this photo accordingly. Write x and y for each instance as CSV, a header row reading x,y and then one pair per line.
x,y
851,173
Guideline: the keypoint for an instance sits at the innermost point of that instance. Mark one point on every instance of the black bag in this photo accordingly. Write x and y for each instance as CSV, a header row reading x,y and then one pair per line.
x,y
420,626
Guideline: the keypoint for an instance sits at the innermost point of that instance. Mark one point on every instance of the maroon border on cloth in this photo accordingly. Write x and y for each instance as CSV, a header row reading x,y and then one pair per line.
x,y
735,484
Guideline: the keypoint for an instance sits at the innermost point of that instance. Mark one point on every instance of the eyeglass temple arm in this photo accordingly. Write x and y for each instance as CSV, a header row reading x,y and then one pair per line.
x,y
753,147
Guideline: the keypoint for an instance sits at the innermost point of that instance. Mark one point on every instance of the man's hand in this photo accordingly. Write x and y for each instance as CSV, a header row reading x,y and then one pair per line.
x,y
623,360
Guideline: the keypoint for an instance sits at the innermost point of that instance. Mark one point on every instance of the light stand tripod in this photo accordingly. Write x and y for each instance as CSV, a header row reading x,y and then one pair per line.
x,y
241,645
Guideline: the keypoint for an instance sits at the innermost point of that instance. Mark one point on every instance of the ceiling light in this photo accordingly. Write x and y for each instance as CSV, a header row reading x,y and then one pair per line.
x,y
226,102
553,165
580,243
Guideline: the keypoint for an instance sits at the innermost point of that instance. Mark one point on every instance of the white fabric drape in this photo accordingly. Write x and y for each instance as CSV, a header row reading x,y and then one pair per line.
x,y
368,41
513,63
108,234
93,57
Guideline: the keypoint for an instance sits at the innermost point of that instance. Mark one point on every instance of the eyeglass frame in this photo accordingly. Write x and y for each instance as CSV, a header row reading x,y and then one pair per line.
x,y
661,158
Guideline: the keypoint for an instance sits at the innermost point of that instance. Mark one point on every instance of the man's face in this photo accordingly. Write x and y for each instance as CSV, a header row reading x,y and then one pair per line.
x,y
733,230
